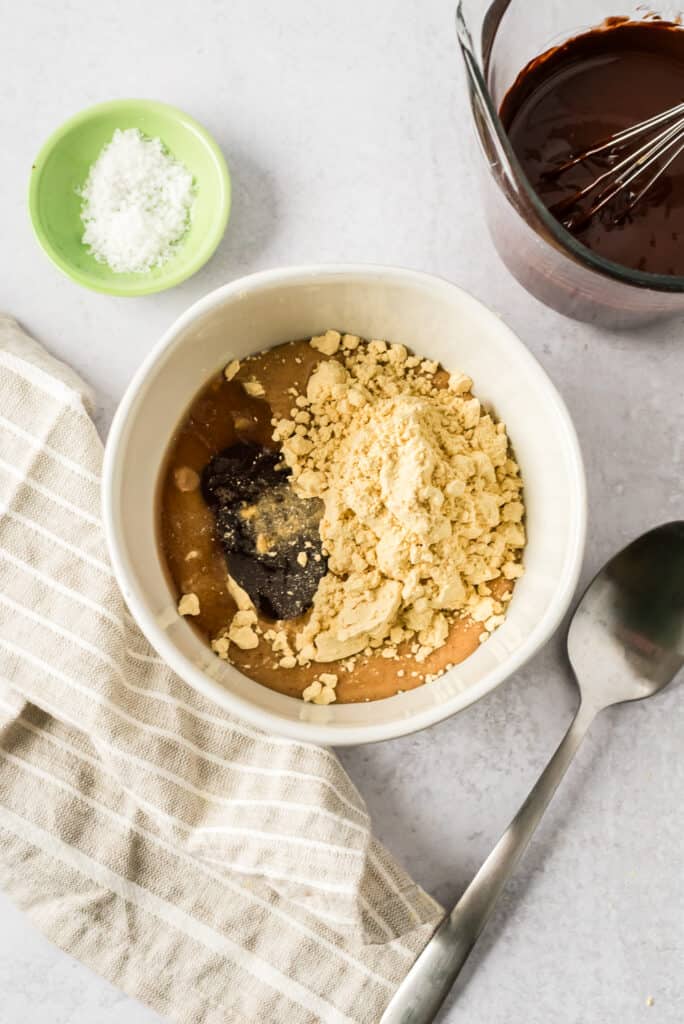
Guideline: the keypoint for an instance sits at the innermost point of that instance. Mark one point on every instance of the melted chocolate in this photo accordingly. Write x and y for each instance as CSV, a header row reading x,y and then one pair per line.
x,y
579,94
264,527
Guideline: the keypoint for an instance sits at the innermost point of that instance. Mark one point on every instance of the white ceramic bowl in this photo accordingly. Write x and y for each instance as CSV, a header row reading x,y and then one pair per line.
x,y
437,320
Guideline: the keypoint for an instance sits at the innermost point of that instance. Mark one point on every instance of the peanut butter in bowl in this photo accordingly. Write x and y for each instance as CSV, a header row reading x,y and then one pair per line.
x,y
342,520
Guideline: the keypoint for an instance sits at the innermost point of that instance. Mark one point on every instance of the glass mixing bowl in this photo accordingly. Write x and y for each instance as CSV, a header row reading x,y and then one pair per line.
x,y
497,39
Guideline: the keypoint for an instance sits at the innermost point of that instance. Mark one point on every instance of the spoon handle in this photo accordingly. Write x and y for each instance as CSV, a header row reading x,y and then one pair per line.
x,y
423,990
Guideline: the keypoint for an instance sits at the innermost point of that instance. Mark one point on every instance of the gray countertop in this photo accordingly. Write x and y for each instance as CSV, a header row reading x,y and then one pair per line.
x,y
347,132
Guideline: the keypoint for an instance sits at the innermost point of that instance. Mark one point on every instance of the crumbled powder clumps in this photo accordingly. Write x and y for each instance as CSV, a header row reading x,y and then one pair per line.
x,y
322,689
232,369
186,479
423,504
242,629
254,388
189,604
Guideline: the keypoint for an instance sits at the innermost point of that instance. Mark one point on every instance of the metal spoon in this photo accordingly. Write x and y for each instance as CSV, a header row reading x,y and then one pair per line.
x,y
625,642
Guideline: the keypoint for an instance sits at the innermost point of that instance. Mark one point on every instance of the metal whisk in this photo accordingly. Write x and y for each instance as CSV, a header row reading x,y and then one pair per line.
x,y
626,177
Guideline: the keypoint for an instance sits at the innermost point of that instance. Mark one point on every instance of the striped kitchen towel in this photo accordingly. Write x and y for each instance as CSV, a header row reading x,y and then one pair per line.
x,y
217,873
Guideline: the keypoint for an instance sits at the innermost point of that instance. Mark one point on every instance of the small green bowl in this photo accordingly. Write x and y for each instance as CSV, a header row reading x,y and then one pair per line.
x,y
62,166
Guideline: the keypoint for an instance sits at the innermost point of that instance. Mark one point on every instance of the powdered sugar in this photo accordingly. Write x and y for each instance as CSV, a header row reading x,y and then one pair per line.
x,y
137,203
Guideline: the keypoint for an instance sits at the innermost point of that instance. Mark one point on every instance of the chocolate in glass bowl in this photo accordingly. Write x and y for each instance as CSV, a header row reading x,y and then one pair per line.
x,y
496,39
579,94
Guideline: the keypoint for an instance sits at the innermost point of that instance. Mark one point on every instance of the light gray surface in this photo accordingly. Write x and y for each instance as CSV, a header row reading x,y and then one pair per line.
x,y
346,130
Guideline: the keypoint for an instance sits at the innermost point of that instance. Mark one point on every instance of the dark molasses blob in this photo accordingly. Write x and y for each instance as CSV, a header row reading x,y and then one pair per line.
x,y
269,535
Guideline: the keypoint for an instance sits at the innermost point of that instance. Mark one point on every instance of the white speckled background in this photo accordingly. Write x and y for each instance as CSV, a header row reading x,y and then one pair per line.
x,y
346,130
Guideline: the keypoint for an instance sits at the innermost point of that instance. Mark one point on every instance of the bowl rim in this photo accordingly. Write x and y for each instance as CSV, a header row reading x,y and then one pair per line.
x,y
335,735
142,286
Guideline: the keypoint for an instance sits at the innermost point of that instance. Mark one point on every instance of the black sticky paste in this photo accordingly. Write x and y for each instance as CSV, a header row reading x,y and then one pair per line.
x,y
263,526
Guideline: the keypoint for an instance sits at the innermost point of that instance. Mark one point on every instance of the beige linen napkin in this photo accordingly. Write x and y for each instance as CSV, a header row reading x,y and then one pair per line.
x,y
213,871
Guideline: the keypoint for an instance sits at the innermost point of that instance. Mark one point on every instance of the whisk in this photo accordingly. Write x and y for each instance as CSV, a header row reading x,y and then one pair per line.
x,y
654,154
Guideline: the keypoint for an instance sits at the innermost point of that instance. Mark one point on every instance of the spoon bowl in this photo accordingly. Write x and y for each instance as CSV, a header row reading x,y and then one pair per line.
x,y
626,638
625,643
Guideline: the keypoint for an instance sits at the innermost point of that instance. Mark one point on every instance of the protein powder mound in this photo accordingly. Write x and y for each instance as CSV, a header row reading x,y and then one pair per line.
x,y
422,500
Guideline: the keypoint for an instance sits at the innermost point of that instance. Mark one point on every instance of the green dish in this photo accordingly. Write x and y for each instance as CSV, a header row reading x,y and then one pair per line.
x,y
62,166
